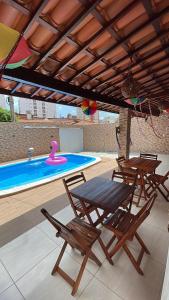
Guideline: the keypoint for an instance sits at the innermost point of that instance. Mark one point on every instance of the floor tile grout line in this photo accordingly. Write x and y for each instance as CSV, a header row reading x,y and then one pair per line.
x,y
19,291
15,281
8,274
86,286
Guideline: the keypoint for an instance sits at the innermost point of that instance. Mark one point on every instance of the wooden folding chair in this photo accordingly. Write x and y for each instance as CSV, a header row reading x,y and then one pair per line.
x,y
120,161
79,235
80,208
124,225
159,182
128,178
149,156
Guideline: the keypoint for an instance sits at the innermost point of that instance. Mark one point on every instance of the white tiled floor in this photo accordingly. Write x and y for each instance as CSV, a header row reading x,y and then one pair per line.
x,y
26,263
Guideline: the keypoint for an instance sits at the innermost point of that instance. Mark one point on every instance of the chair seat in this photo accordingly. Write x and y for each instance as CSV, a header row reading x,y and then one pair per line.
x,y
84,231
120,220
157,178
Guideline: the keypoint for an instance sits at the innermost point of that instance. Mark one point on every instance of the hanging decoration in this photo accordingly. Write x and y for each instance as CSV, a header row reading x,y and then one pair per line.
x,y
89,107
130,91
130,87
14,50
135,100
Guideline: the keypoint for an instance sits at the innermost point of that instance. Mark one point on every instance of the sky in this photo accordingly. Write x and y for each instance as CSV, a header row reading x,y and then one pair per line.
x,y
64,110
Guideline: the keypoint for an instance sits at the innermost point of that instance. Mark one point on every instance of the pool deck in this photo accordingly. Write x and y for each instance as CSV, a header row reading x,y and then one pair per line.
x,y
30,247
18,204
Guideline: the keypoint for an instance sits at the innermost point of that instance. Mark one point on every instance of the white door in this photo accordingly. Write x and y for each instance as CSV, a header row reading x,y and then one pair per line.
x,y
71,139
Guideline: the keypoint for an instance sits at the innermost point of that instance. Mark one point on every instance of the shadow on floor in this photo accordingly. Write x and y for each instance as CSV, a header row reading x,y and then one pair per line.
x,y
21,224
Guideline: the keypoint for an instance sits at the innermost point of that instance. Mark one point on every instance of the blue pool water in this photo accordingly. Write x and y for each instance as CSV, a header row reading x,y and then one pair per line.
x,y
36,170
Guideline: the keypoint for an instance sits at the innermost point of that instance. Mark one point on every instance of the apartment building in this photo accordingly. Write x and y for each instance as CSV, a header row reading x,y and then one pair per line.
x,y
37,109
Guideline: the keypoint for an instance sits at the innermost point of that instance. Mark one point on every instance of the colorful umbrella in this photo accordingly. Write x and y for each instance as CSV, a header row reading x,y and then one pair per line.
x,y
89,107
12,44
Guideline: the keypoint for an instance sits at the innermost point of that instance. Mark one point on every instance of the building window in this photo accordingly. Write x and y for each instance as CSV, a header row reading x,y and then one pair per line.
x,y
35,113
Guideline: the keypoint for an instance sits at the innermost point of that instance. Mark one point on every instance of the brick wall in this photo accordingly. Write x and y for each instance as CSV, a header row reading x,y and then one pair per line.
x,y
15,139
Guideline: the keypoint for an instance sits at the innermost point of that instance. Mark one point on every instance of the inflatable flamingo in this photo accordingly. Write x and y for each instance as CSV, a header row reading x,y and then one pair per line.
x,y
55,160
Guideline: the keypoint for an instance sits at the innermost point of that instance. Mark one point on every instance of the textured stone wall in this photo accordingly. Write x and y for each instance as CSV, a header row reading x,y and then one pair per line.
x,y
15,139
144,139
102,137
124,136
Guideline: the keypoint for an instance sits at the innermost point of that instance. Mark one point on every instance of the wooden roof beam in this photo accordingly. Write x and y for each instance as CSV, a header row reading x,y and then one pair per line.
x,y
38,80
123,40
35,79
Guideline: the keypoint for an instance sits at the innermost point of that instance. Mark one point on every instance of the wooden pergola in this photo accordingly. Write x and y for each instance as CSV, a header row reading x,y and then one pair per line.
x,y
85,48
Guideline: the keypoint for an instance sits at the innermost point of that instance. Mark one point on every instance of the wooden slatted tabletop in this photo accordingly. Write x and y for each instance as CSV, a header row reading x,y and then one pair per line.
x,y
145,165
103,193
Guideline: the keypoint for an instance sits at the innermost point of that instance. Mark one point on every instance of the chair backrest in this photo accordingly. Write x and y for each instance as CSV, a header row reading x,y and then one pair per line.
x,y
149,156
69,234
129,178
143,213
74,180
120,160
63,231
61,228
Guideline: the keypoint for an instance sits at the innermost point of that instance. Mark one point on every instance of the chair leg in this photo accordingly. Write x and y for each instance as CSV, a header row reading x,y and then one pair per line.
x,y
77,282
132,259
165,188
59,258
162,193
105,251
139,239
110,242
98,214
95,259
139,196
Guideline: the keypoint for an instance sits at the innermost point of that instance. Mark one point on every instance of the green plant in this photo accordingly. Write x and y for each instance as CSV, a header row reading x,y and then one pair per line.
x,y
5,115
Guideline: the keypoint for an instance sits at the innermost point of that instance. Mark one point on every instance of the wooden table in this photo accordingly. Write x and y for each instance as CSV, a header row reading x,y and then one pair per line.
x,y
103,193
145,166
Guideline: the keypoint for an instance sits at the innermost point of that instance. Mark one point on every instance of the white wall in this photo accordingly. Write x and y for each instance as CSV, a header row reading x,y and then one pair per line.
x,y
71,139
3,102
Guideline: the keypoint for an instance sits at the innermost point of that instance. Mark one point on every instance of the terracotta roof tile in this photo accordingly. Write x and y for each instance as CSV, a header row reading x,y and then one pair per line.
x,y
89,44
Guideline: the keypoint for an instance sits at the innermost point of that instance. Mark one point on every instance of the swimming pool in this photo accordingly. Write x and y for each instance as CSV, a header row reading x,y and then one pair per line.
x,y
26,174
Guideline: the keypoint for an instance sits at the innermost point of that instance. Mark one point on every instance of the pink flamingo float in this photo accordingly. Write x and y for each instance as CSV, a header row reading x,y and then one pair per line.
x,y
55,160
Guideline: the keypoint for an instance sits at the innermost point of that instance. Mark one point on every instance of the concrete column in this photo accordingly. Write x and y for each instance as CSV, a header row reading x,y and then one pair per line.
x,y
124,135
